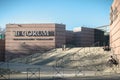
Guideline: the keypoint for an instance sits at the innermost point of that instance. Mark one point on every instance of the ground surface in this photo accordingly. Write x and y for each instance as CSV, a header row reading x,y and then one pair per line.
x,y
73,64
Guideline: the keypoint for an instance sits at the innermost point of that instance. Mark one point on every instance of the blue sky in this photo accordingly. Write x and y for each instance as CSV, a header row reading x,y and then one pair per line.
x,y
73,13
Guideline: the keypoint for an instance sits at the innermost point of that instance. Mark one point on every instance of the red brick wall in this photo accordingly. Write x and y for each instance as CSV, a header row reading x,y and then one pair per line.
x,y
27,47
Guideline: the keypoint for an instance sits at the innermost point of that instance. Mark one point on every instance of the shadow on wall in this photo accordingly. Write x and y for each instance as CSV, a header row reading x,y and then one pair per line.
x,y
26,50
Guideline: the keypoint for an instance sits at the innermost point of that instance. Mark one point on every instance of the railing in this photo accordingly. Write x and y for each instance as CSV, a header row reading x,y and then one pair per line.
x,y
57,73
4,71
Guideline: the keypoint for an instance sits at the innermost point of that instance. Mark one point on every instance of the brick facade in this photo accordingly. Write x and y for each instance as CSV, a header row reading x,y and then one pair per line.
x,y
115,28
26,39
2,50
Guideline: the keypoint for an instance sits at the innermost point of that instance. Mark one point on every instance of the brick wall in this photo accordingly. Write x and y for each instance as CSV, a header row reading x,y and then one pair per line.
x,y
115,28
22,39
2,50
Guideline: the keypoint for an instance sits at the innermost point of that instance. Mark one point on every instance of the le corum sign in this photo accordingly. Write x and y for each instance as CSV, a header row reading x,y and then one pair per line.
x,y
33,33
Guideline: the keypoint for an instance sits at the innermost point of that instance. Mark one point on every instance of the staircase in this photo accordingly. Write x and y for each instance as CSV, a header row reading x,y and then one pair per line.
x,y
86,58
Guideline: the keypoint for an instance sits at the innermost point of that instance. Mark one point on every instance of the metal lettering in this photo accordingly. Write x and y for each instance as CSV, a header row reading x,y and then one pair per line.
x,y
33,33
29,33
44,33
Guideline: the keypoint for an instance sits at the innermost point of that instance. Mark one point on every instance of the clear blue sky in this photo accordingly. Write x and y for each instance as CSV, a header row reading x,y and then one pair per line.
x,y
73,13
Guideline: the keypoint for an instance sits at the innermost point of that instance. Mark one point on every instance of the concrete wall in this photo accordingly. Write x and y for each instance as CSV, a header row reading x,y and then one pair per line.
x,y
115,28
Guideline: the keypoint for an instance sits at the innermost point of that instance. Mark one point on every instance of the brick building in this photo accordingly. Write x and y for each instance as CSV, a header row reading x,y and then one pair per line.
x,y
2,50
115,28
69,37
84,37
2,45
26,39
